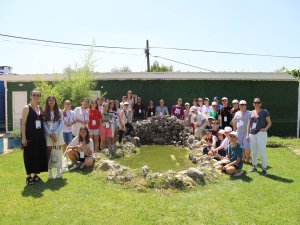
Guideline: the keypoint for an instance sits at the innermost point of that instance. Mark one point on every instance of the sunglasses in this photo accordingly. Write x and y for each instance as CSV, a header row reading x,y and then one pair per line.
x,y
36,95
256,102
242,104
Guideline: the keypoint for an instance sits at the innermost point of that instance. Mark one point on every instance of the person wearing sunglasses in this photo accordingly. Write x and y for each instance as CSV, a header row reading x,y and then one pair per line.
x,y
258,125
33,139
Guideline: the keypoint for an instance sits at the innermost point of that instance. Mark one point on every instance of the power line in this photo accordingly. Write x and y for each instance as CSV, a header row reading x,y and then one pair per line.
x,y
69,43
228,52
156,56
69,48
155,47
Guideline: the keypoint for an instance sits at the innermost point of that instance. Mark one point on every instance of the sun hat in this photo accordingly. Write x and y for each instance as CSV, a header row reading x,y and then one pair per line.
x,y
227,129
235,101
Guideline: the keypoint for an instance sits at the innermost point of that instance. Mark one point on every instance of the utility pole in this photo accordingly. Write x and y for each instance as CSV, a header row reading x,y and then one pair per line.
x,y
147,52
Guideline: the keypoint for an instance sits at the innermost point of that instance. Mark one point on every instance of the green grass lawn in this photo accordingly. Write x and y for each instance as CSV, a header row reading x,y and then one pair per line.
x,y
86,198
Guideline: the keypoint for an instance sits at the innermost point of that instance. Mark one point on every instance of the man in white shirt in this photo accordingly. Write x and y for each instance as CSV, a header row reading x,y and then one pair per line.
x,y
199,120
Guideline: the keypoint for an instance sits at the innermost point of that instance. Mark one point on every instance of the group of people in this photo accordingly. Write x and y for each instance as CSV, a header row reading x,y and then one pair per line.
x,y
224,132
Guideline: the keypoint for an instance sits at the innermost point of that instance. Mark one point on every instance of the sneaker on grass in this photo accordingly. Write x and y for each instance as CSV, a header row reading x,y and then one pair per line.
x,y
263,172
75,166
253,169
238,173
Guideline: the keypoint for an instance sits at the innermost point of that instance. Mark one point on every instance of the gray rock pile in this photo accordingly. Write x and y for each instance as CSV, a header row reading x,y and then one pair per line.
x,y
164,130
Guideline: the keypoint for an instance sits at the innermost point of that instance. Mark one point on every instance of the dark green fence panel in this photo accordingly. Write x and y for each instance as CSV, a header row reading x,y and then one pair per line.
x,y
280,98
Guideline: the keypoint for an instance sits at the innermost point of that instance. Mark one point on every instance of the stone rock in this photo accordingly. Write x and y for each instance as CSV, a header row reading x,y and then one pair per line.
x,y
194,173
145,170
161,130
106,165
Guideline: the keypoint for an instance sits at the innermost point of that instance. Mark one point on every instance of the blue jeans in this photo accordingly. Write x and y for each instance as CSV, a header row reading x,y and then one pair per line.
x,y
68,137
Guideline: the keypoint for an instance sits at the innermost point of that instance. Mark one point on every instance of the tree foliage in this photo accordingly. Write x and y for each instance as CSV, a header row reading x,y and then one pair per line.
x,y
123,69
76,83
295,73
156,67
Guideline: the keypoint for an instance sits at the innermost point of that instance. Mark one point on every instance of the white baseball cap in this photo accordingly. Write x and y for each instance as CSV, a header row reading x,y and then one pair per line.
x,y
235,101
214,103
187,103
224,98
243,102
193,108
227,129
221,131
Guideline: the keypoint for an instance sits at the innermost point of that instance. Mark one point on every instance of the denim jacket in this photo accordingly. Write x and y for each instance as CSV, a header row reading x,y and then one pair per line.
x,y
57,126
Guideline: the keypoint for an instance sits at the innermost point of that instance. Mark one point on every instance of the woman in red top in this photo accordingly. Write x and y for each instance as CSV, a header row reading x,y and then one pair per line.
x,y
94,123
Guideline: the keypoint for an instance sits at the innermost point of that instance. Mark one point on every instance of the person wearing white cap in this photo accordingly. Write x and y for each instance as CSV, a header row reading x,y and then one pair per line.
x,y
235,108
221,150
125,120
161,110
234,155
215,113
200,122
240,122
259,123
225,113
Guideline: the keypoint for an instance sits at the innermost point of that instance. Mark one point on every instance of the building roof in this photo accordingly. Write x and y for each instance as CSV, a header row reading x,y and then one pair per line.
x,y
267,76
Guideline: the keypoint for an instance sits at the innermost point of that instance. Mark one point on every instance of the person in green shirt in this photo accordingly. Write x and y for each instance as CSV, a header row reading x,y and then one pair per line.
x,y
234,157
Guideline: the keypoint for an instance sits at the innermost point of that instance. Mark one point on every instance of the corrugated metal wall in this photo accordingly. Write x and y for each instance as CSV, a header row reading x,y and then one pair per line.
x,y
280,98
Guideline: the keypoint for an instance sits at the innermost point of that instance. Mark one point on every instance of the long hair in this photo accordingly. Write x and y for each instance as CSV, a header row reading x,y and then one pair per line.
x,y
87,137
55,109
95,102
113,108
64,110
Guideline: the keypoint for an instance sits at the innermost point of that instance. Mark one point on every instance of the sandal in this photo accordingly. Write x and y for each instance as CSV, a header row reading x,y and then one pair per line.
x,y
37,179
29,181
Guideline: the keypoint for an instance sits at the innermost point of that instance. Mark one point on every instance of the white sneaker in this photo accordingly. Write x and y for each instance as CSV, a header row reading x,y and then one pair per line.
x,y
238,173
75,166
65,170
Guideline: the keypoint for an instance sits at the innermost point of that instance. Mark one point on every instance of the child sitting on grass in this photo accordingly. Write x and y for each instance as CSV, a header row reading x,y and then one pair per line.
x,y
234,157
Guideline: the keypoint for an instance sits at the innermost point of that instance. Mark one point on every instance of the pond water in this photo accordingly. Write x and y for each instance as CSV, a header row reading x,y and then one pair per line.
x,y
159,158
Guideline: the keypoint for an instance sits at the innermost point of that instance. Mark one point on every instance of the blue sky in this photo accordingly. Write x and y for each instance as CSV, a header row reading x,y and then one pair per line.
x,y
266,27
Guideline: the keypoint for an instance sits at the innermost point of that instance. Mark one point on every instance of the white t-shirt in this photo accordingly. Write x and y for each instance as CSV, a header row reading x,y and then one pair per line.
x,y
200,117
79,114
206,110
75,142
224,143
69,118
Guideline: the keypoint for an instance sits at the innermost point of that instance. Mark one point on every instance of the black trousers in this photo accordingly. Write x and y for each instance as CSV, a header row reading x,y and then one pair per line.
x,y
129,130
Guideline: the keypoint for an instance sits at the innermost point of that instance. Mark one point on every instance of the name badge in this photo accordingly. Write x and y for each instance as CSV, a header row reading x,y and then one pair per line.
x,y
241,123
160,113
81,154
140,111
186,119
253,125
93,122
107,125
38,124
151,113
225,118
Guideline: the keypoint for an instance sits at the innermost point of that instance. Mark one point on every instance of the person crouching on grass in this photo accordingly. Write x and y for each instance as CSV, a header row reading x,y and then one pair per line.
x,y
235,157
81,149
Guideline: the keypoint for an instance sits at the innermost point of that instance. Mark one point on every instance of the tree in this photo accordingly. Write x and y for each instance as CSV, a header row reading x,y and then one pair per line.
x,y
155,67
123,69
295,73
75,85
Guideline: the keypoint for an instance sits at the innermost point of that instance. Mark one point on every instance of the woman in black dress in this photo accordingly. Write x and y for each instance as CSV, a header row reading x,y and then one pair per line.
x,y
33,139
